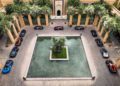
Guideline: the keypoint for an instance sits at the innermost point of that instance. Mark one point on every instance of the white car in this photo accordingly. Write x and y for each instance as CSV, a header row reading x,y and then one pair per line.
x,y
104,53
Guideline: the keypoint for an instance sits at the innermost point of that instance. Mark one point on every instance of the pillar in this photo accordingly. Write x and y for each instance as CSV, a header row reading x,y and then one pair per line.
x,y
79,20
10,35
14,30
95,20
70,20
22,22
118,63
98,27
38,20
17,24
102,30
46,19
106,37
30,20
87,20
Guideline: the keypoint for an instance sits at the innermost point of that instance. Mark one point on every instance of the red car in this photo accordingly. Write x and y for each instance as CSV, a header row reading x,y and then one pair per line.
x,y
19,41
111,66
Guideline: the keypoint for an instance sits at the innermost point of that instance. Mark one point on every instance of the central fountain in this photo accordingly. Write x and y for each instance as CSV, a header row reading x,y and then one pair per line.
x,y
59,51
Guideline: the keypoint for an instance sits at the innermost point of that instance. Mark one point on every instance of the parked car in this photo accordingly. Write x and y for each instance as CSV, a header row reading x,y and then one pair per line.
x,y
104,53
59,28
111,66
22,33
8,66
14,52
79,28
94,33
38,28
99,42
19,41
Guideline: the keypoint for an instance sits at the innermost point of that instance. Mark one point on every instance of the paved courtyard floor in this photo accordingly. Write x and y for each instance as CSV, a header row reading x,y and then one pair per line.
x,y
97,64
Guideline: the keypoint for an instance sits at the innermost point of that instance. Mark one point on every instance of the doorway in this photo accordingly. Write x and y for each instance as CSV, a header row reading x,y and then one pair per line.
x,y
58,13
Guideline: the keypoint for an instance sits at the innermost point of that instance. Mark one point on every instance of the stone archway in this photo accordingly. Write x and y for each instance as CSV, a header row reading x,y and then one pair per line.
x,y
58,8
58,13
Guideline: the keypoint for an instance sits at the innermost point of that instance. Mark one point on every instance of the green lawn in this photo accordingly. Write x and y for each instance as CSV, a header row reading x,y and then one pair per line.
x,y
63,54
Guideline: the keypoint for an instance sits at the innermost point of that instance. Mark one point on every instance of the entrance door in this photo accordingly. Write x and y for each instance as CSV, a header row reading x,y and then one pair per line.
x,y
58,13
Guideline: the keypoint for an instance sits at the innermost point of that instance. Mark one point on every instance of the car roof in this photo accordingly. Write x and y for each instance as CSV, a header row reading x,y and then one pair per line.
x,y
104,49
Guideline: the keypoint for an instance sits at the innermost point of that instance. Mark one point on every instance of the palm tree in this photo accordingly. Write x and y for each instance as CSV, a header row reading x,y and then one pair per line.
x,y
71,12
89,10
80,9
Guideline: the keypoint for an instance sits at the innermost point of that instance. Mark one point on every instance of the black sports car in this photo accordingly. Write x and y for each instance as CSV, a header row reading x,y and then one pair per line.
x,y
99,42
14,52
59,28
38,28
22,33
79,28
94,33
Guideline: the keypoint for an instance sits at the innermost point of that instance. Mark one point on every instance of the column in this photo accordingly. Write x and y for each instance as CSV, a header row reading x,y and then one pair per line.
x,y
79,20
22,22
39,20
30,20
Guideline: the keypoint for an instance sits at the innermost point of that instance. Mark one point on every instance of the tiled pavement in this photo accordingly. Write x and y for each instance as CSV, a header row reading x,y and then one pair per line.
x,y
97,63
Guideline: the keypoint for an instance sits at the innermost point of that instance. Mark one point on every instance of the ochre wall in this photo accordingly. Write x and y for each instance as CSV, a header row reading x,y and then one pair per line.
x,y
4,2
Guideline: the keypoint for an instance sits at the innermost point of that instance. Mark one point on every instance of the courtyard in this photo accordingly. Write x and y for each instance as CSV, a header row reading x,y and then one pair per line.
x,y
97,63
59,43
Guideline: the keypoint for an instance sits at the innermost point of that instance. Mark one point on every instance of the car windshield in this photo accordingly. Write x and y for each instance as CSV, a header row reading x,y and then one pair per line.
x,y
13,53
105,50
105,54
